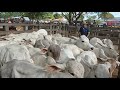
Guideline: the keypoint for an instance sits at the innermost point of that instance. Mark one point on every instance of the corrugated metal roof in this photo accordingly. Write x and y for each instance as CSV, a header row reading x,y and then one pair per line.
x,y
26,18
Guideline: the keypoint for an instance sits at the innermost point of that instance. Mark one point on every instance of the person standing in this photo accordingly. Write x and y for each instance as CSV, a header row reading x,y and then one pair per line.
x,y
84,30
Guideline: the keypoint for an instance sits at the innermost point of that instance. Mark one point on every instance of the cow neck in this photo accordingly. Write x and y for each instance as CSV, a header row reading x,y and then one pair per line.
x,y
91,69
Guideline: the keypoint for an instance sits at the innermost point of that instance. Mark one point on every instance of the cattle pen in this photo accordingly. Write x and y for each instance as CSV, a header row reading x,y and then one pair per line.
x,y
66,30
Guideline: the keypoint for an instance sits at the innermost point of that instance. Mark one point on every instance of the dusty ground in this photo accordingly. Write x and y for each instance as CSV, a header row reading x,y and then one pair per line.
x,y
115,73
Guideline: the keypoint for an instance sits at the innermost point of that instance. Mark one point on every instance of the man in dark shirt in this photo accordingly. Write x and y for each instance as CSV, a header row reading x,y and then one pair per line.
x,y
84,30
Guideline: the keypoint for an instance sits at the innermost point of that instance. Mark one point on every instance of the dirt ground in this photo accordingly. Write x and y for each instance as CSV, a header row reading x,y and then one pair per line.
x,y
115,73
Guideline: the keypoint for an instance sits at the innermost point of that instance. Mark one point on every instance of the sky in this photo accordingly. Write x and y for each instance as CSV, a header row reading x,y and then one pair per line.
x,y
116,14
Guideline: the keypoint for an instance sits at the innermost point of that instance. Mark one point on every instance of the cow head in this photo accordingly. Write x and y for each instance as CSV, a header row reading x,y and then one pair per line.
x,y
75,68
84,44
108,42
65,55
102,70
54,51
111,52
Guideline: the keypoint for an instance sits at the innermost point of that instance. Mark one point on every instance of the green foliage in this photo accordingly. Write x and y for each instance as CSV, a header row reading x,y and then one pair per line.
x,y
56,16
32,15
72,17
91,18
81,17
10,14
106,15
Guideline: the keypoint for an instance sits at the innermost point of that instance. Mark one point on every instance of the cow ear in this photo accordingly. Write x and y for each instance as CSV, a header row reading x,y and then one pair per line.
x,y
53,68
108,64
44,50
94,67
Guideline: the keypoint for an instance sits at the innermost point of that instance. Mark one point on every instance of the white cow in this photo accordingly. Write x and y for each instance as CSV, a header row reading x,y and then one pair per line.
x,y
88,59
39,56
83,43
14,51
42,31
75,68
25,69
75,50
97,42
65,55
109,43
108,50
100,54
92,68
101,71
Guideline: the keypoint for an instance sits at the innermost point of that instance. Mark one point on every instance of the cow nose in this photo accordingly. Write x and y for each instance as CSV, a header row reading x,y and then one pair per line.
x,y
92,48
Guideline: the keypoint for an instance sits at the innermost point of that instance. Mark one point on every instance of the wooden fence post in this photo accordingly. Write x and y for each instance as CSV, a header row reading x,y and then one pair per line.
x,y
6,28
26,27
119,43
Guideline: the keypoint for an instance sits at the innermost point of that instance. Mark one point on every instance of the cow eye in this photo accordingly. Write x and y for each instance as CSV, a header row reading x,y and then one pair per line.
x,y
82,41
110,48
109,69
72,74
95,76
50,50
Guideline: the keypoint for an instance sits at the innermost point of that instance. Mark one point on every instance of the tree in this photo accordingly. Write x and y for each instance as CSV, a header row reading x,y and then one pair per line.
x,y
39,15
91,18
72,17
11,14
32,15
81,17
47,15
56,16
104,15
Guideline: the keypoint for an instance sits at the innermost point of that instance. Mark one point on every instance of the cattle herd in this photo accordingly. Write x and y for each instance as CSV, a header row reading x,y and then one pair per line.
x,y
39,55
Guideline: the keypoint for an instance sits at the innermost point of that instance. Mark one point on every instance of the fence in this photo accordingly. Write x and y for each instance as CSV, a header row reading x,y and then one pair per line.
x,y
64,29
67,30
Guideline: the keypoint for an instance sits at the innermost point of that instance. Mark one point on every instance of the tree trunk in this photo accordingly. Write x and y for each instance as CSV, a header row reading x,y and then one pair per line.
x,y
77,16
70,18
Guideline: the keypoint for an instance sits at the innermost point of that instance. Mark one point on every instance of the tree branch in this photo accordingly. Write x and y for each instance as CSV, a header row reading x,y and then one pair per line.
x,y
65,16
79,14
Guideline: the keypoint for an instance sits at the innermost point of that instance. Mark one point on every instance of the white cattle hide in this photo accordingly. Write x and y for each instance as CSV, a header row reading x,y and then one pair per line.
x,y
100,54
65,55
83,43
42,31
75,50
101,71
108,50
96,42
24,69
109,43
75,68
88,59
14,51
